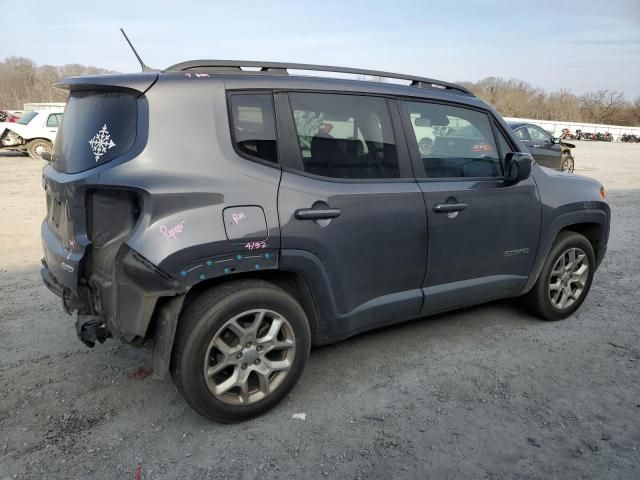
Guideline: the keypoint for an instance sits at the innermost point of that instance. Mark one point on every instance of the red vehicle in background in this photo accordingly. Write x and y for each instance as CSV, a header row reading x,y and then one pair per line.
x,y
10,116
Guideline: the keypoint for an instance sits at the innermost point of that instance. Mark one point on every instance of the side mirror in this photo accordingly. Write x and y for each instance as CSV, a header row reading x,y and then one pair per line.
x,y
518,166
46,156
557,140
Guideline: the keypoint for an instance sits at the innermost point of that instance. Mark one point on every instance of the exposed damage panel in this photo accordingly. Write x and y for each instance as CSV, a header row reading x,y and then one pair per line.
x,y
11,139
121,240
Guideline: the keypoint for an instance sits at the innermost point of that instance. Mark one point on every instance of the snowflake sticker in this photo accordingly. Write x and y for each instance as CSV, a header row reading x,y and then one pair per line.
x,y
101,142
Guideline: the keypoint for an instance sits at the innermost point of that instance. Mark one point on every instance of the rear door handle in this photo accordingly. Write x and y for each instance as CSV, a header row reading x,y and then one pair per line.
x,y
317,213
449,207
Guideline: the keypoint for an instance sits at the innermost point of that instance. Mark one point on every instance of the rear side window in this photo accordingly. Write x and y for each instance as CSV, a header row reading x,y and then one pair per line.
x,y
96,128
454,141
345,136
253,126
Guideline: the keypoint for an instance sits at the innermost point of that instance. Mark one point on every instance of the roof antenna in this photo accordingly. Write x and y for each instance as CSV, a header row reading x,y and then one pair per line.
x,y
144,67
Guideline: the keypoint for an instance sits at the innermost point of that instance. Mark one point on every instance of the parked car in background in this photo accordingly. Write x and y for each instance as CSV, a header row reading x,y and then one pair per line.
x,y
34,133
548,151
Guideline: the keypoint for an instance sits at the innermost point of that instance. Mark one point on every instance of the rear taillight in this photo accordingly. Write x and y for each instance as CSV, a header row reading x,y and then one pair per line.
x,y
111,214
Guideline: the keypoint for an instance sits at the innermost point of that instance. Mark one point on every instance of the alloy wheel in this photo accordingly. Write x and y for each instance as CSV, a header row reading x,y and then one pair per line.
x,y
567,165
568,278
249,357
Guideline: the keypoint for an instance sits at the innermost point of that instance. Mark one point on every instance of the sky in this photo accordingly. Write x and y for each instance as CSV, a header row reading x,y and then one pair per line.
x,y
578,45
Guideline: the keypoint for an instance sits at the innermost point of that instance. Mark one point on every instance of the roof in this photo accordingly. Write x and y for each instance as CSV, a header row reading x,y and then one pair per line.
x,y
268,77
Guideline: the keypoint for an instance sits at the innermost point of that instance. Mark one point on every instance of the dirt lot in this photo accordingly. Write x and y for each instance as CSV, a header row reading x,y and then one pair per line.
x,y
487,392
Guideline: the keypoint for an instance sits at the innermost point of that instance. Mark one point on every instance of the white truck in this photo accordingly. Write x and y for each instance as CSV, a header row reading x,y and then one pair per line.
x,y
50,107
34,133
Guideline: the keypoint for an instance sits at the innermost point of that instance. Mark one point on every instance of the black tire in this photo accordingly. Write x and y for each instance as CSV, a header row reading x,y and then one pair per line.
x,y
35,147
205,317
538,300
568,163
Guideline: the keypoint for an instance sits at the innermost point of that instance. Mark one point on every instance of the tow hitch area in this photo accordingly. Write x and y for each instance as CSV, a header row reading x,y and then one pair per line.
x,y
91,328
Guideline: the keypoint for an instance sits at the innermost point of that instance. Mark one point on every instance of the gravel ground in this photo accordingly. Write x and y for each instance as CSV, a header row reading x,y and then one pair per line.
x,y
485,392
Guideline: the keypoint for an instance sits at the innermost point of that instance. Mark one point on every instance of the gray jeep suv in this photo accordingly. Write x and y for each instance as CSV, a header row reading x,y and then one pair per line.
x,y
236,217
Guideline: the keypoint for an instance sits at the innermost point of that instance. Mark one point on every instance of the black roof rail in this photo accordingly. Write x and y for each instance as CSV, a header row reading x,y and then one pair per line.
x,y
277,68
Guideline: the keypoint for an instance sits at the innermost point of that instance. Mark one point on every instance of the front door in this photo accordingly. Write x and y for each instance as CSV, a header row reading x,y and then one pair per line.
x,y
545,151
483,233
352,216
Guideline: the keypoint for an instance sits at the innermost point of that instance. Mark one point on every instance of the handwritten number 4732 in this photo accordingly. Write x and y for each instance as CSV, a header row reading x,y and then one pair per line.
x,y
255,245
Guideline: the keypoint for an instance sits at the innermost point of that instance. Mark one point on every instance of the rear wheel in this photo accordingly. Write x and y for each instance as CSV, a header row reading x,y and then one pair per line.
x,y
567,164
565,278
37,147
240,348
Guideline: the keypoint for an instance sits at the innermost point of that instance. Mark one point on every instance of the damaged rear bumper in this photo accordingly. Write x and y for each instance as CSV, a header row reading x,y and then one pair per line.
x,y
89,328
121,303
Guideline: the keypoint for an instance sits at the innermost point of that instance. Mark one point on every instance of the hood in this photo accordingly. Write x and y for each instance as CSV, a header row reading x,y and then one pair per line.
x,y
562,180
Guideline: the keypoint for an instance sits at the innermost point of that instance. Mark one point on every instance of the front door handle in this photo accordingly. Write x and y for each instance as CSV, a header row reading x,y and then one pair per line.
x,y
449,207
317,213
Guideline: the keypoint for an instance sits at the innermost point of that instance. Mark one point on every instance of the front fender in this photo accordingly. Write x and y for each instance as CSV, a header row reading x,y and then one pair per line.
x,y
596,216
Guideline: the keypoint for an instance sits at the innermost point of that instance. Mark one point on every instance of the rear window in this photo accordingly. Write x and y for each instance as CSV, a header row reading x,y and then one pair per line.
x,y
26,118
95,129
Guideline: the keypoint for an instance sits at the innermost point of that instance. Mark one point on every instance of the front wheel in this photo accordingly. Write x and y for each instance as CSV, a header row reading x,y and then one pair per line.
x,y
565,278
568,164
37,147
240,348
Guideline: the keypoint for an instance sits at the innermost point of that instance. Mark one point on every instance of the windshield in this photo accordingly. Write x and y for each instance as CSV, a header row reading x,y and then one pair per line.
x,y
26,118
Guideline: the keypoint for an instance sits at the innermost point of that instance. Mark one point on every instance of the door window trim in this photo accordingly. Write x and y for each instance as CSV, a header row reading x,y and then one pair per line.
x,y
412,143
291,160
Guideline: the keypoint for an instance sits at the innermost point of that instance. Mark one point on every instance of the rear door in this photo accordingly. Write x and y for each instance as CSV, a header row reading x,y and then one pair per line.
x,y
483,232
352,215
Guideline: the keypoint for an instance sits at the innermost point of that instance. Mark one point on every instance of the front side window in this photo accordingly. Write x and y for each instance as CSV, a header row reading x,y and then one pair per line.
x,y
54,120
538,135
522,134
345,136
254,126
454,141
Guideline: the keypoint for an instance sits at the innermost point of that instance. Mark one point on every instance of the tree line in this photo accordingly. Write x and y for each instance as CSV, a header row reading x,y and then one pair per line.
x,y
22,81
516,98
